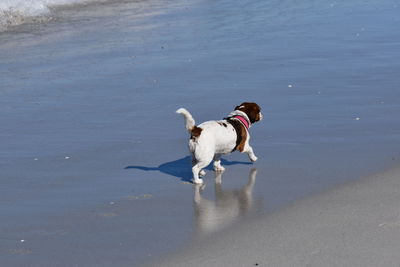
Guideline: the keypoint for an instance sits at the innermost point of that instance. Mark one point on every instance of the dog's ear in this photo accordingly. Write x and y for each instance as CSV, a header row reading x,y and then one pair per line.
x,y
251,109
236,108
241,106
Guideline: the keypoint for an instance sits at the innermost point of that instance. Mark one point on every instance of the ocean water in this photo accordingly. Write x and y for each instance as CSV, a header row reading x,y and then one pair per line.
x,y
93,159
16,12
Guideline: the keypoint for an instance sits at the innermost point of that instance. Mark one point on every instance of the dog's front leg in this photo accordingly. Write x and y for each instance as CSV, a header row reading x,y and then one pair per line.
x,y
249,150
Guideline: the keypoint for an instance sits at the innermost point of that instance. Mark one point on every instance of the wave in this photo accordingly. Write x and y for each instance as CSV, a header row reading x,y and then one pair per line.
x,y
16,12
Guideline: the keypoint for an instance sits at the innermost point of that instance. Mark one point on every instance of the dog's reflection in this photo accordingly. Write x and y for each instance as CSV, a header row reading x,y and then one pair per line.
x,y
228,206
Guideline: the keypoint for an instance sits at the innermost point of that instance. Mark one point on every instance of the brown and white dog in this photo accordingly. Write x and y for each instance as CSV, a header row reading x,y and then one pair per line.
x,y
211,139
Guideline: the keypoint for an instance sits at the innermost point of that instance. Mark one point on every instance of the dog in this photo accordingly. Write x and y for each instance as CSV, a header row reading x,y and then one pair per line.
x,y
212,139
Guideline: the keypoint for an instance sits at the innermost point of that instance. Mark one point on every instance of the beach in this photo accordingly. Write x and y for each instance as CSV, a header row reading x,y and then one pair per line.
x,y
356,224
95,169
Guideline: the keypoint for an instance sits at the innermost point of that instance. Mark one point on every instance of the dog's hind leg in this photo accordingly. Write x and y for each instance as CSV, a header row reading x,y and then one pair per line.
x,y
217,163
194,162
196,171
202,173
198,168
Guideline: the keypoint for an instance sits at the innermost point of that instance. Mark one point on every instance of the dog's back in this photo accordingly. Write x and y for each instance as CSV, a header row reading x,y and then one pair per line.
x,y
217,135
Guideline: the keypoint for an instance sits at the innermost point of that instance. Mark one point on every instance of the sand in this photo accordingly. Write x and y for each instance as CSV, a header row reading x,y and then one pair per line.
x,y
356,224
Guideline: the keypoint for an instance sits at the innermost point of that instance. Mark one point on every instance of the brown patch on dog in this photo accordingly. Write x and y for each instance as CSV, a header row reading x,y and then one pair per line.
x,y
223,124
241,134
195,132
251,109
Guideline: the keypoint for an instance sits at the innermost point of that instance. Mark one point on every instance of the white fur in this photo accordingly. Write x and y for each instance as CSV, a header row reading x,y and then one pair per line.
x,y
215,140
189,121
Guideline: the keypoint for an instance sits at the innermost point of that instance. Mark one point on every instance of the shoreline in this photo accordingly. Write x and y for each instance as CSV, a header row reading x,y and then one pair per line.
x,y
353,224
94,159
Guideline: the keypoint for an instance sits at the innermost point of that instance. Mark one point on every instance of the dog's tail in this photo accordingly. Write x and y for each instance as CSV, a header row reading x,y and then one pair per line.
x,y
189,121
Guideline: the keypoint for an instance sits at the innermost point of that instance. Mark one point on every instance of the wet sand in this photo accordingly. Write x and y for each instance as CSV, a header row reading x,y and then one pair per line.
x,y
356,224
94,161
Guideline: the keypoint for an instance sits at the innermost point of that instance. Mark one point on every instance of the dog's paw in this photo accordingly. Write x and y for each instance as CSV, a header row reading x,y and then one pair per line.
x,y
202,173
253,158
197,181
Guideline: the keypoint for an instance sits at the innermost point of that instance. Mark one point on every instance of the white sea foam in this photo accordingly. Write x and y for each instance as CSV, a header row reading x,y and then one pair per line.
x,y
15,12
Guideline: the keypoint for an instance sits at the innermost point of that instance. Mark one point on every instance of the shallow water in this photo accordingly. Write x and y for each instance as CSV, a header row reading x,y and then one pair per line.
x,y
94,160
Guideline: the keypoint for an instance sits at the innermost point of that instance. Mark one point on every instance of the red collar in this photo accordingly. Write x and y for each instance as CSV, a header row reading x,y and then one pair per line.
x,y
243,120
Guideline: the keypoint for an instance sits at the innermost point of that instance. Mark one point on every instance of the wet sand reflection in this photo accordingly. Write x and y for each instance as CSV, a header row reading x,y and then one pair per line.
x,y
228,207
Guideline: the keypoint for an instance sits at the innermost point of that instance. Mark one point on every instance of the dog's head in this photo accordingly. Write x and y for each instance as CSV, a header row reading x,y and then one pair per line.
x,y
252,110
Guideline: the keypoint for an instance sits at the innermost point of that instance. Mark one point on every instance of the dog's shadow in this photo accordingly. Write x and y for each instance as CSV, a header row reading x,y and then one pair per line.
x,y
181,168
